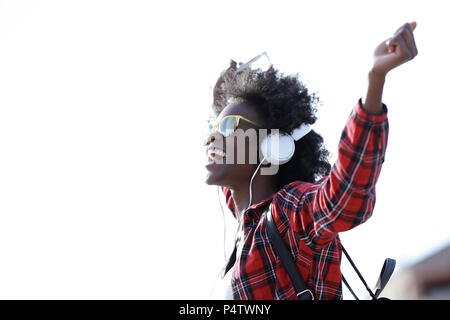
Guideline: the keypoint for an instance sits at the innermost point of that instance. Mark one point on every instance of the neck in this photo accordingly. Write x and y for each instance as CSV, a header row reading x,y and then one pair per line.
x,y
262,187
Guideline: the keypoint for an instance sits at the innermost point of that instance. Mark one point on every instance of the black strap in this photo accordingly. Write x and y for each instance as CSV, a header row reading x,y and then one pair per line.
x,y
294,274
349,288
358,273
302,291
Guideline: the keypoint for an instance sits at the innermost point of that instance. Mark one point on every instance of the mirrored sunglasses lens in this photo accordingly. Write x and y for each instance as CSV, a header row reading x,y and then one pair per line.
x,y
227,126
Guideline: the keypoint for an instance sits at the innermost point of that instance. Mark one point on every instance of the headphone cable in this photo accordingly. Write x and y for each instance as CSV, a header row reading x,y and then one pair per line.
x,y
240,217
251,181
224,225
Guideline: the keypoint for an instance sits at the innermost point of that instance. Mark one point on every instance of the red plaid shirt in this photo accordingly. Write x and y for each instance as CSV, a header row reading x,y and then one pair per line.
x,y
309,217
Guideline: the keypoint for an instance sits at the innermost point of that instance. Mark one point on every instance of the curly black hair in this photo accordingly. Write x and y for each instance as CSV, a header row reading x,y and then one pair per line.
x,y
286,103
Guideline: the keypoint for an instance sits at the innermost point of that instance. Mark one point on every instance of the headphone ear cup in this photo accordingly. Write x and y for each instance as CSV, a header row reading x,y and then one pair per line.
x,y
265,150
277,148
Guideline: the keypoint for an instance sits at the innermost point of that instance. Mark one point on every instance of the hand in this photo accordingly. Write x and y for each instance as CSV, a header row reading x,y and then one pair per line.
x,y
395,51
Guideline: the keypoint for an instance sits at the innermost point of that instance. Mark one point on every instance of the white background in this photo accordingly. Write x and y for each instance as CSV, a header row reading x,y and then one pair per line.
x,y
102,106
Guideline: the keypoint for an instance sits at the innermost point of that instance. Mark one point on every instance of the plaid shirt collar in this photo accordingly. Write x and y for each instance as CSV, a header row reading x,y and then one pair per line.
x,y
253,213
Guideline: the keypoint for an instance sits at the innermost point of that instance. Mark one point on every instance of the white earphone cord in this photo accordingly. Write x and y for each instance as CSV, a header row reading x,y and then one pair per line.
x,y
251,181
224,224
241,218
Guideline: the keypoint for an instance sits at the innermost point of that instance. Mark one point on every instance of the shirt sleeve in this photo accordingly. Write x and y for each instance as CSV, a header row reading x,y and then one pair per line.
x,y
346,197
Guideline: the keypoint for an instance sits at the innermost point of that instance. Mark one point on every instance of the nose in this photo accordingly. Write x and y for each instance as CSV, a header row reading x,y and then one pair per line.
x,y
209,138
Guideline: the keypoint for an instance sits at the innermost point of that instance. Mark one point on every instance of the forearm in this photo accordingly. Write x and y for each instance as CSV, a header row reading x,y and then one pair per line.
x,y
373,101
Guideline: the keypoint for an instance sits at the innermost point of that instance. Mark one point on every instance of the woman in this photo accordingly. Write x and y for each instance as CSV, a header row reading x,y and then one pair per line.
x,y
311,202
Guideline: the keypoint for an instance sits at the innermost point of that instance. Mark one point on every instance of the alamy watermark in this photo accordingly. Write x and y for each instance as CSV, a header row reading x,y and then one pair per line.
x,y
236,150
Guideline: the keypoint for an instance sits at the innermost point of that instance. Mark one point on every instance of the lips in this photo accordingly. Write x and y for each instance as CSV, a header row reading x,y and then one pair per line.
x,y
214,153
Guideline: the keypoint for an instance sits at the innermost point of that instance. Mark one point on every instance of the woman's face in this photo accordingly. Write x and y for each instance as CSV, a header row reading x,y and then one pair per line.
x,y
231,161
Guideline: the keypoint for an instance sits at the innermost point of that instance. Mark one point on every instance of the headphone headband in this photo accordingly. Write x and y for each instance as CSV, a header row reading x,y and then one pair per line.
x,y
301,131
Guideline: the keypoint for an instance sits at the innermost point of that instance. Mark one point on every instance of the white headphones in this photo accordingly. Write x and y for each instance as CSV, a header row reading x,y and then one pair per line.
x,y
276,148
279,148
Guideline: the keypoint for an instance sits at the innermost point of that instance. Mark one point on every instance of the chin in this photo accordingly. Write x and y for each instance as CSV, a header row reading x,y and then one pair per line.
x,y
209,180
212,180
216,174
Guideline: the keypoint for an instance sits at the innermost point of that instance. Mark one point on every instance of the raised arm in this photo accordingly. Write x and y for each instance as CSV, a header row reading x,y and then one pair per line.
x,y
346,197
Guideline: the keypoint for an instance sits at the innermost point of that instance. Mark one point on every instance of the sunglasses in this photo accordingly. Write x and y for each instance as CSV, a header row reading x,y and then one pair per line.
x,y
227,125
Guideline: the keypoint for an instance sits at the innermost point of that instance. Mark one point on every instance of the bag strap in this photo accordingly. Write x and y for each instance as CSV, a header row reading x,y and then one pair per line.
x,y
294,274
302,291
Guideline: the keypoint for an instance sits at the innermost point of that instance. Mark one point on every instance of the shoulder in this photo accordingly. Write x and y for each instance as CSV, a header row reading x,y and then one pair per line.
x,y
294,191
289,200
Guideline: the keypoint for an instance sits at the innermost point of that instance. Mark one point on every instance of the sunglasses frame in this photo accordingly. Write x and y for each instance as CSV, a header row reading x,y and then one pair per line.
x,y
215,127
